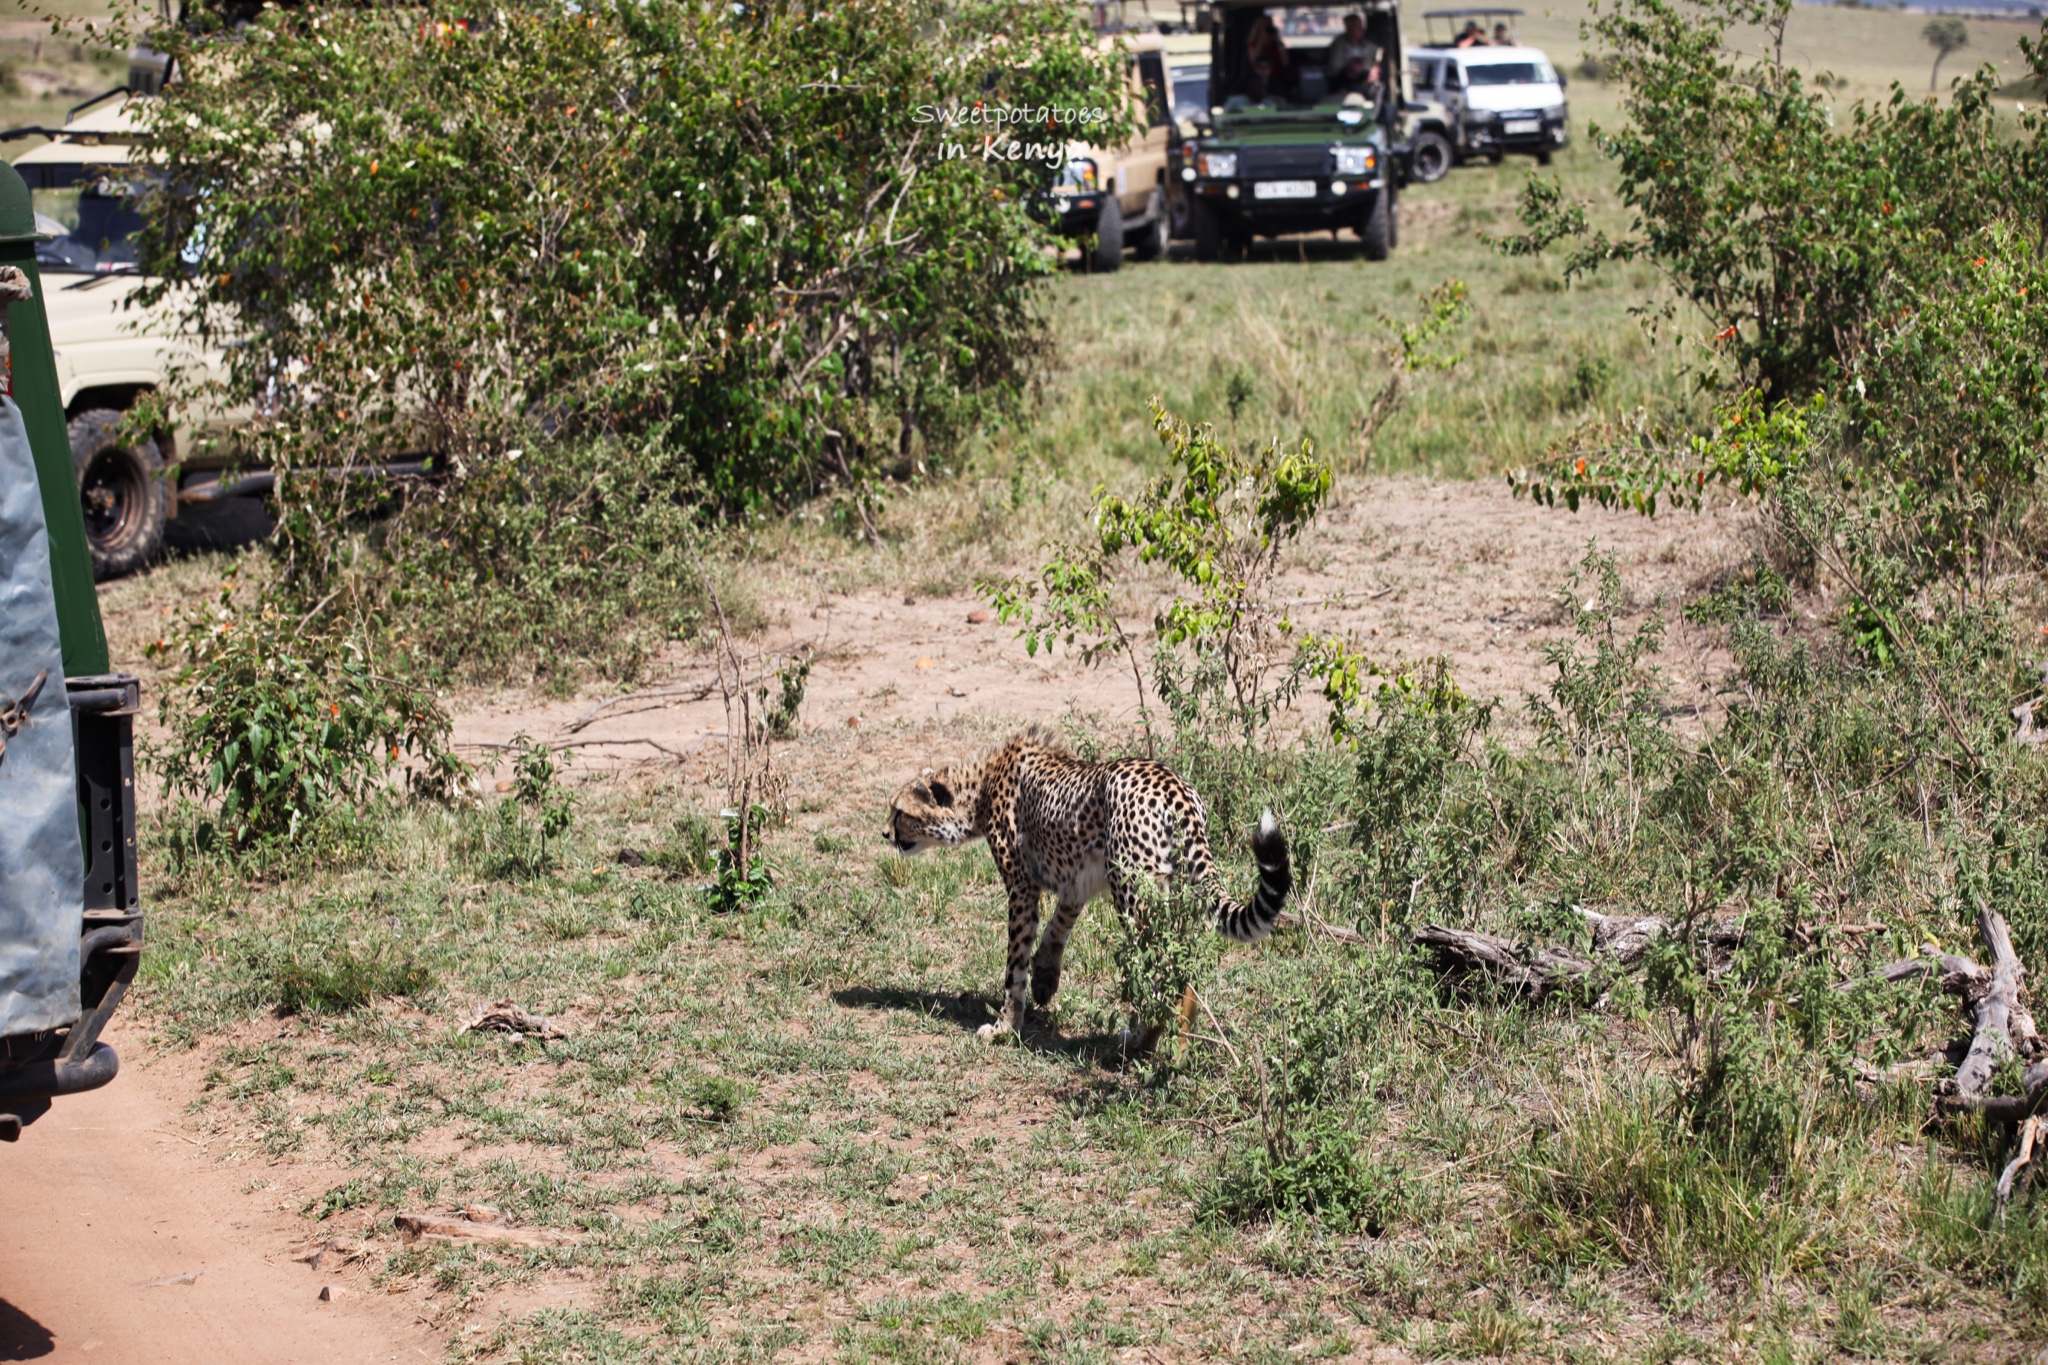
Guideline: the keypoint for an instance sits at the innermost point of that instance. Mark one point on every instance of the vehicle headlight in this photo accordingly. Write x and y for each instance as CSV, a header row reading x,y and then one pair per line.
x,y
1353,160
1218,165
1080,175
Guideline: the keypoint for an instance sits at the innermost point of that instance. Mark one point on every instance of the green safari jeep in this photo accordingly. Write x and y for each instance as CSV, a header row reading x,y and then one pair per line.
x,y
1303,103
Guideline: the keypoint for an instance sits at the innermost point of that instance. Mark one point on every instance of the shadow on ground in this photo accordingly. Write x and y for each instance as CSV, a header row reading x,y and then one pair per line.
x,y
204,527
22,1337
969,1012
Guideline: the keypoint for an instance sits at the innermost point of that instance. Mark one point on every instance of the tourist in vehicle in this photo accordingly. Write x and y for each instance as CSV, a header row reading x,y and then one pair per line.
x,y
1269,68
1353,59
1471,36
1501,36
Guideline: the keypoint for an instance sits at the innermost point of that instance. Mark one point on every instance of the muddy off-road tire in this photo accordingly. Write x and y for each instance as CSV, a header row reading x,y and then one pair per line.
x,y
1151,242
1430,158
1373,227
123,491
1108,253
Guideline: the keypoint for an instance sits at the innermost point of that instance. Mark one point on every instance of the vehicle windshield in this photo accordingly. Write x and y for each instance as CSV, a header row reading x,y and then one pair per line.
x,y
89,215
1510,73
1190,91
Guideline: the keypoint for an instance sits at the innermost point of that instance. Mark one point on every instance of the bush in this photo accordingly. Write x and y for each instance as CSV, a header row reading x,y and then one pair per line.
x,y
293,728
731,232
1792,238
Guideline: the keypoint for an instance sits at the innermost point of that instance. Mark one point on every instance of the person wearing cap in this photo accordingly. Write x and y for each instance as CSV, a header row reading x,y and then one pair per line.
x,y
1353,60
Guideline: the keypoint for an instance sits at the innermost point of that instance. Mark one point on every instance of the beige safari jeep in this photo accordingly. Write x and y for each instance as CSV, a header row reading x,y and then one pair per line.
x,y
1117,196
109,351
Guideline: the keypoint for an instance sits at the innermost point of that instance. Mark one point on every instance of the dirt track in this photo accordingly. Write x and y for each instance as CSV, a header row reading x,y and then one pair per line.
x,y
125,1241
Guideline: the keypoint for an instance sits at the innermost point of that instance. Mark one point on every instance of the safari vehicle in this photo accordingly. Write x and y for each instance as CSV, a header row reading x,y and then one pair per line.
x,y
1289,153
70,915
84,185
1485,99
1118,196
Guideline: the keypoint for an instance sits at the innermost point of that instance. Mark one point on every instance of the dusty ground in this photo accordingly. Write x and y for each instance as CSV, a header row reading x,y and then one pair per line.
x,y
1408,567
129,1239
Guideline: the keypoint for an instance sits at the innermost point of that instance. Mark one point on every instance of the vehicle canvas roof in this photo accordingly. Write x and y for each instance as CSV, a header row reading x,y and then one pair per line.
x,y
100,137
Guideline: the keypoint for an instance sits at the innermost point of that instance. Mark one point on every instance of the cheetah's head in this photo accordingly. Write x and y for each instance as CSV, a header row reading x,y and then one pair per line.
x,y
929,811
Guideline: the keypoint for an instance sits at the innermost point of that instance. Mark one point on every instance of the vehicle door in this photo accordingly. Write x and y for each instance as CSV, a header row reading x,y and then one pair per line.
x,y
1454,101
1144,167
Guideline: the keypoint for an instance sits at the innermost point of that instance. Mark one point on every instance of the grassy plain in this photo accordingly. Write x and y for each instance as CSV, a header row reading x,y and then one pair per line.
x,y
771,1134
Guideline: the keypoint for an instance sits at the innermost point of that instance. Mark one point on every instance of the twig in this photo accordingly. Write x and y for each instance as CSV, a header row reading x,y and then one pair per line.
x,y
692,691
2028,1132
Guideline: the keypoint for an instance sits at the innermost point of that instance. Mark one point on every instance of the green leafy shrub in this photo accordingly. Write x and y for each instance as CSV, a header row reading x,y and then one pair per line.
x,y
1792,238
742,876
535,815
288,727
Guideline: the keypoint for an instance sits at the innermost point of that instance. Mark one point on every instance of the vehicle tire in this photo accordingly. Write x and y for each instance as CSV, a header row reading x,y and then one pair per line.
x,y
1543,157
1208,232
1108,252
1152,240
1373,227
1494,157
1179,215
1393,217
123,492
1430,158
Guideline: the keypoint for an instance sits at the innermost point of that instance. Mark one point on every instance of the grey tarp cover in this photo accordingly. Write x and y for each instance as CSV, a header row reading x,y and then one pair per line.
x,y
42,867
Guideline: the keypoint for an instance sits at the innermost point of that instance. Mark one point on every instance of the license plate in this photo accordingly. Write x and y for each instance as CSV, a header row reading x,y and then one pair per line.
x,y
1521,125
1284,189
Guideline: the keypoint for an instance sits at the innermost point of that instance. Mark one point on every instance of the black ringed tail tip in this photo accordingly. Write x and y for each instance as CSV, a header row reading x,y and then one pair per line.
x,y
1253,921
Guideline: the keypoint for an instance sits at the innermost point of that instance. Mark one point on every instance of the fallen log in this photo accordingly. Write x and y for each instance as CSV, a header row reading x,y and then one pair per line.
x,y
1993,1042
1540,972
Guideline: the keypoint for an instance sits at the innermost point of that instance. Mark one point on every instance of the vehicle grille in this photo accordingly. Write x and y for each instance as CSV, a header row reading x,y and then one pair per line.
x,y
1299,160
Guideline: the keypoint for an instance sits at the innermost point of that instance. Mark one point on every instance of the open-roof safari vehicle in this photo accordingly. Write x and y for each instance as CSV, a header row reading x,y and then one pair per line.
x,y
70,915
85,184
1304,101
1475,95
1113,197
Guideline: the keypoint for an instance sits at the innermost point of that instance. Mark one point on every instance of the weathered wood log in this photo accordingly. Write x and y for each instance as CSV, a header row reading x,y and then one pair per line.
x,y
1539,972
1993,1042
1627,937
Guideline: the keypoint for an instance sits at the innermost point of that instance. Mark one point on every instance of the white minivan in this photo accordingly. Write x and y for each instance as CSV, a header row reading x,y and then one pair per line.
x,y
1494,100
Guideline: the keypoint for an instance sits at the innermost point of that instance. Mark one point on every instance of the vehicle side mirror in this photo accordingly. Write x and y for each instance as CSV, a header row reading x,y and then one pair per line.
x,y
1562,82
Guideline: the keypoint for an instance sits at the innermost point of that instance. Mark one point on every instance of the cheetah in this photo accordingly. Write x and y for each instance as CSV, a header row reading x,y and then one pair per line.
x,y
1057,823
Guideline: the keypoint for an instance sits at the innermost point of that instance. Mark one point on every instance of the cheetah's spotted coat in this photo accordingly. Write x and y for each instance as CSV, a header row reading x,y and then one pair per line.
x,y
1057,823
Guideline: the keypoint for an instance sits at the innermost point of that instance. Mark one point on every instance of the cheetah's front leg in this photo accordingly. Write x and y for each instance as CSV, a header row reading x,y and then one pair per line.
x,y
1023,933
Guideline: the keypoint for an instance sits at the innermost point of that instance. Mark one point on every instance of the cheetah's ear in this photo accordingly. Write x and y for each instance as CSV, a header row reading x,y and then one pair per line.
x,y
942,793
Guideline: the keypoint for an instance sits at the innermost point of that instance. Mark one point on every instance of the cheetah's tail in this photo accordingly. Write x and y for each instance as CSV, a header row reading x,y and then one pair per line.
x,y
1252,921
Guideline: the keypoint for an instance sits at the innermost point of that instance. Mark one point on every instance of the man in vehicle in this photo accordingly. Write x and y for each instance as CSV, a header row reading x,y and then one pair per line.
x,y
1472,36
1501,36
1353,61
